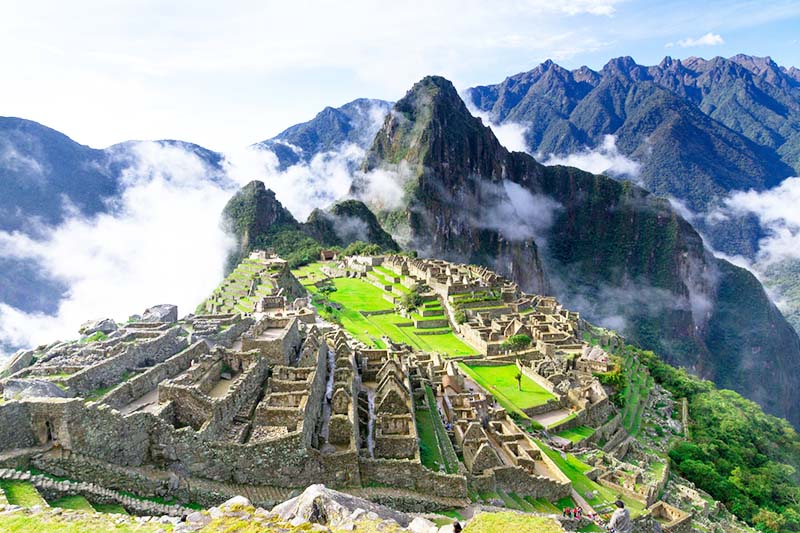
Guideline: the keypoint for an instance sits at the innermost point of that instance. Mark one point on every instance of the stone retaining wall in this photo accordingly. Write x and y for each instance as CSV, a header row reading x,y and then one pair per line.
x,y
135,355
140,385
411,475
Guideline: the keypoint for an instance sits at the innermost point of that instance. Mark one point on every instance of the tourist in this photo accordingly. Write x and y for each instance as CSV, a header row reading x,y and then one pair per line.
x,y
621,519
565,512
456,527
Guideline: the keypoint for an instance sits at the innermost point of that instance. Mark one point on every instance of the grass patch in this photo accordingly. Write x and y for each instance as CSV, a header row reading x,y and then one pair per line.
x,y
576,434
109,508
575,470
21,493
76,503
355,295
501,382
24,523
495,522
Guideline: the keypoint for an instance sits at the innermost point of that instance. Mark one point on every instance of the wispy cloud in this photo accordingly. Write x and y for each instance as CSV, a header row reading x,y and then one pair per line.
x,y
604,159
709,39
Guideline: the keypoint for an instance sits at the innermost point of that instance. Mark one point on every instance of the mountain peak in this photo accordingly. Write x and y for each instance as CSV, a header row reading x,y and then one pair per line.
x,y
429,127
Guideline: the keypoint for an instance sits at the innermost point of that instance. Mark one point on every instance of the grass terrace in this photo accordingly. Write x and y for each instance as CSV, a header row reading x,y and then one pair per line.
x,y
507,521
357,298
76,503
577,434
635,393
501,382
21,493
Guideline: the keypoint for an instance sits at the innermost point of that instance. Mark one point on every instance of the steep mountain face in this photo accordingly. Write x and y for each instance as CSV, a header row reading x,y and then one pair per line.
x,y
456,172
355,122
258,220
614,251
700,129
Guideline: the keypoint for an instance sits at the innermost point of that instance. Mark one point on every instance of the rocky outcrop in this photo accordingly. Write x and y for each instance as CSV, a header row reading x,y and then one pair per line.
x,y
320,505
102,325
161,313
22,389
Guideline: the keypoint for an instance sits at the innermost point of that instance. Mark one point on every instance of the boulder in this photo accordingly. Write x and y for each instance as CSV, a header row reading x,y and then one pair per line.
x,y
22,389
161,313
103,325
320,505
421,525
19,360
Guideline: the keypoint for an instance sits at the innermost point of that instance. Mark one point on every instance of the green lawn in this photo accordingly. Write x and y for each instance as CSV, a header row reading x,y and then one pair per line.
x,y
358,294
25,523
501,382
429,453
576,434
355,295
77,503
21,493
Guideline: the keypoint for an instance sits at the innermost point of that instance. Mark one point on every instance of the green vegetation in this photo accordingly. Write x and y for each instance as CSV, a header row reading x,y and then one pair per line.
x,y
47,523
634,396
576,434
354,297
111,508
21,493
741,456
77,503
501,382
435,448
519,523
516,343
94,337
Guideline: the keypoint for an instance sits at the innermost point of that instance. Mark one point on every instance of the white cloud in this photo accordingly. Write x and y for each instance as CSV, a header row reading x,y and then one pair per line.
x,y
161,243
605,159
515,212
226,75
510,134
709,39
777,212
302,187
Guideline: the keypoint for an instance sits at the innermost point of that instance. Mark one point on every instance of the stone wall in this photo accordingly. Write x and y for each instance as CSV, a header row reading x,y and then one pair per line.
x,y
135,355
516,479
411,475
15,429
140,385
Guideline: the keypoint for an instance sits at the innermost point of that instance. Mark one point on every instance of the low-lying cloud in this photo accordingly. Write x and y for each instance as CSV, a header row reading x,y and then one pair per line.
x,y
160,242
515,212
604,159
776,210
510,134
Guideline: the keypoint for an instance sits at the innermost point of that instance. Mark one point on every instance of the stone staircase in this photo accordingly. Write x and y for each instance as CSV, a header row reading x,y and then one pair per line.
x,y
260,495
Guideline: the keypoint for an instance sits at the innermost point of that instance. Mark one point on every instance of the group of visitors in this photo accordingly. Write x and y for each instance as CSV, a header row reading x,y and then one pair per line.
x,y
620,521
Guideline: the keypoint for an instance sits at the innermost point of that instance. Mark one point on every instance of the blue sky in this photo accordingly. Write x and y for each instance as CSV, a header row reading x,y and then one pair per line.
x,y
226,74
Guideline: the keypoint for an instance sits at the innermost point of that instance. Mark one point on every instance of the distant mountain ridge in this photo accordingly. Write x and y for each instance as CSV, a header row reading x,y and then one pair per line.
x,y
355,122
